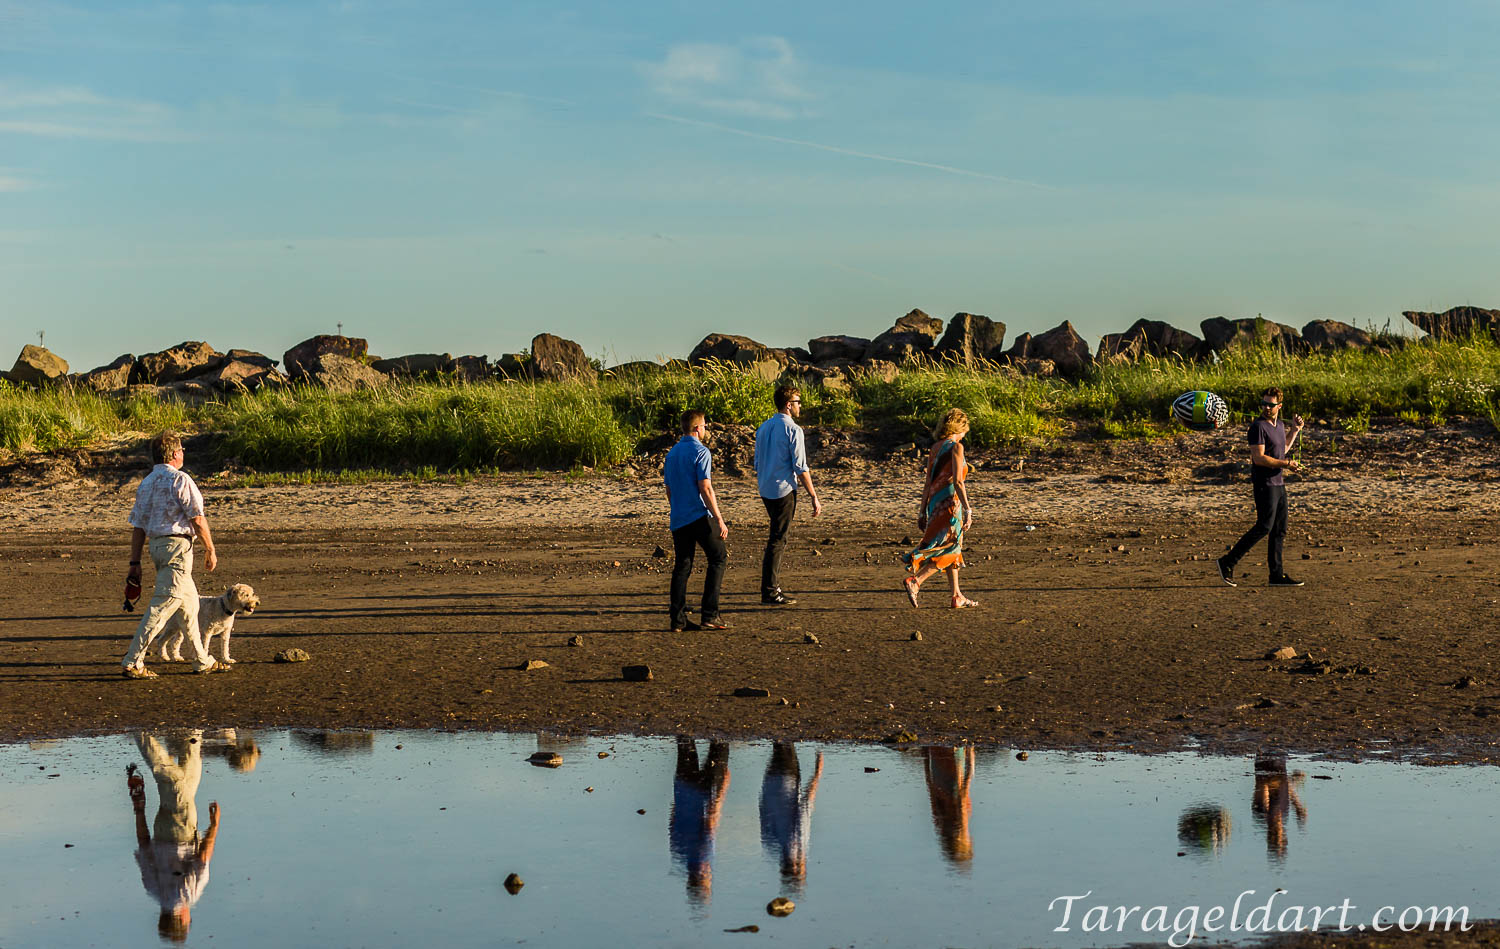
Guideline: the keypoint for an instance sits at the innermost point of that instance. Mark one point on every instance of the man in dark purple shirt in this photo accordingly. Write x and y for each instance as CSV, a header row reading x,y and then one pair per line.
x,y
1269,444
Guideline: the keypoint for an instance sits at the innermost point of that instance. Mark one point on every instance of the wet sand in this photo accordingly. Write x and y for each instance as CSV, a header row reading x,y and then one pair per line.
x,y
1103,627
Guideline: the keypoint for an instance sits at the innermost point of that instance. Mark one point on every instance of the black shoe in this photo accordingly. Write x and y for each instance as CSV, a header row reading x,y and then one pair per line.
x,y
1226,573
715,623
1285,581
686,626
776,599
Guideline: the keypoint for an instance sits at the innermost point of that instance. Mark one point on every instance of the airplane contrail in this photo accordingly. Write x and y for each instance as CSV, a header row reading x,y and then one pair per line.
x,y
852,152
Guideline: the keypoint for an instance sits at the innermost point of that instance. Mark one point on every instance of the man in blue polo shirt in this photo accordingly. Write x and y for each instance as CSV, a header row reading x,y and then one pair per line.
x,y
1269,444
780,464
695,522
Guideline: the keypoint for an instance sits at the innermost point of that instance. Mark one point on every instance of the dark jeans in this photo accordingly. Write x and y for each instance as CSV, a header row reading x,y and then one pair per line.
x,y
704,532
1270,519
781,511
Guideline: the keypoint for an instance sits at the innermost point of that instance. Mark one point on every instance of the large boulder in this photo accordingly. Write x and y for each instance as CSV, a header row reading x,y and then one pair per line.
x,y
110,378
555,358
513,365
640,369
726,347
299,359
971,338
1151,338
39,366
338,373
251,357
1461,322
837,349
1063,347
183,361
1331,334
911,337
472,368
415,365
1020,348
1221,335
234,375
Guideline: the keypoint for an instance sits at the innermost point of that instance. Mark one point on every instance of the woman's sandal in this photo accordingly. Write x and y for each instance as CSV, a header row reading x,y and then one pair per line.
x,y
911,589
963,603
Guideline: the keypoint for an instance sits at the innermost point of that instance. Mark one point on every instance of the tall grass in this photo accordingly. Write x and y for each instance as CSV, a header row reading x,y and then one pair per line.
x,y
452,427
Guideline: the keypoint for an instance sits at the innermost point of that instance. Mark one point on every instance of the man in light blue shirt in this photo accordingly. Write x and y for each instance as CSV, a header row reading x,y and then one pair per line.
x,y
695,522
780,465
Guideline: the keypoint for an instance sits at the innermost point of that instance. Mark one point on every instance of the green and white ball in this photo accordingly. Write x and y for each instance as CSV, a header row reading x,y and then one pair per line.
x,y
1200,410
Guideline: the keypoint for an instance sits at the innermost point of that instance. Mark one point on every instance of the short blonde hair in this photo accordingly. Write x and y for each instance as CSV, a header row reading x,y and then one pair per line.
x,y
164,446
953,422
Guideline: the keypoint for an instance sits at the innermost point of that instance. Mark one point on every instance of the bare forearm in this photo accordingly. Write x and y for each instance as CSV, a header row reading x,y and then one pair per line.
x,y
710,500
806,479
137,544
200,526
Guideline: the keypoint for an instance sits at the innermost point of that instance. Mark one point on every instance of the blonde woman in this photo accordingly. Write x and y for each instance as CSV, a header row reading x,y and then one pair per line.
x,y
945,513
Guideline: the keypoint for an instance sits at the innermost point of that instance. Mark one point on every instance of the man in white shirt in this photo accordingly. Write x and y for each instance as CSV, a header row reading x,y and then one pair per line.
x,y
168,513
172,858
780,465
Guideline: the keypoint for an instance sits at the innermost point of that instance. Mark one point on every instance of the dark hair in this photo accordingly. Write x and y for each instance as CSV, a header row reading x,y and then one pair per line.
x,y
784,395
690,418
1272,391
164,446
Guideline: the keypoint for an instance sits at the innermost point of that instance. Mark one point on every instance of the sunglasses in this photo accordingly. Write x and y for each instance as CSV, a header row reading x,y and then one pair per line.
x,y
1269,405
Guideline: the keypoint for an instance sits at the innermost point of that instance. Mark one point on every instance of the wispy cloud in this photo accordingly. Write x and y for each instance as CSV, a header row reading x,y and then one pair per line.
x,y
854,153
73,112
11,182
761,77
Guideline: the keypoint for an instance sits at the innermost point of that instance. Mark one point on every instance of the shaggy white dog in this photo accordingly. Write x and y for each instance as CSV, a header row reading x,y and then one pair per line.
x,y
215,617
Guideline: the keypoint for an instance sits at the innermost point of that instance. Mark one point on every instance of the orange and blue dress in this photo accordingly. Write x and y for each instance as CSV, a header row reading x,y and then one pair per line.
x,y
942,545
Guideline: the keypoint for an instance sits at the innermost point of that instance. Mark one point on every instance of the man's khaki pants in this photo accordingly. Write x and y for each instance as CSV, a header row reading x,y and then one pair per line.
x,y
175,597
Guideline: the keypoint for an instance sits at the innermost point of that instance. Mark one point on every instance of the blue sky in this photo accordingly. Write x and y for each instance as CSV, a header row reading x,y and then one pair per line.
x,y
458,177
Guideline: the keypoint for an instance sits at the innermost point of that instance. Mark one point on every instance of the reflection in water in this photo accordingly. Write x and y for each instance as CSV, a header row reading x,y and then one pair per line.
x,y
335,742
1275,794
1204,829
173,860
786,812
949,772
697,805
237,747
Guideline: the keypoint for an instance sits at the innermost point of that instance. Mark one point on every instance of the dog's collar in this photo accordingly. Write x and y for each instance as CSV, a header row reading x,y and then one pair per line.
x,y
224,602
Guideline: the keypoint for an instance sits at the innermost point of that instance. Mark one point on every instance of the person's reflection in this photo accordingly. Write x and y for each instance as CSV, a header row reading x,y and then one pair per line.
x,y
1204,829
238,748
1275,794
697,804
786,812
173,860
949,772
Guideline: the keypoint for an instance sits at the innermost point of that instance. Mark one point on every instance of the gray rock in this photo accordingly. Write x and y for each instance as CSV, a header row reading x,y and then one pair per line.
x,y
38,366
640,369
554,358
513,365
911,337
1221,335
881,369
636,673
1460,322
472,368
829,349
513,884
726,347
970,339
810,639
110,378
546,759
235,375
575,640
292,655
1285,652
1041,368
1062,345
299,360
1151,338
916,637
1331,335
416,365
531,665
183,361
340,373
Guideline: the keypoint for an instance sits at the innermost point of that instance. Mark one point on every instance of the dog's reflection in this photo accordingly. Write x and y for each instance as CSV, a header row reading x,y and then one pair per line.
x,y
173,858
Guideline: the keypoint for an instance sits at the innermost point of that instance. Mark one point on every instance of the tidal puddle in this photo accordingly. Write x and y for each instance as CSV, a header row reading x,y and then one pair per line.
x,y
331,839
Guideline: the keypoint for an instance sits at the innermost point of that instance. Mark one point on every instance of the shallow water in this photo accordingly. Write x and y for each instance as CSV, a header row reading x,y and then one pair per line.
x,y
406,839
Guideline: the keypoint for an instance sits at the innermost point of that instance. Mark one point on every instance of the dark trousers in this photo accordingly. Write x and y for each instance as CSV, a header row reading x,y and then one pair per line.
x,y
703,532
781,511
1270,520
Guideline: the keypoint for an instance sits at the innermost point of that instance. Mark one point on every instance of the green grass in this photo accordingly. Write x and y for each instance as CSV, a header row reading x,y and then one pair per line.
x,y
432,429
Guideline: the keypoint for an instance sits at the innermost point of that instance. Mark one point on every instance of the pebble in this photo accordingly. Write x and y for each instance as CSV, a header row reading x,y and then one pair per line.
x,y
810,640
546,759
513,883
292,655
1022,755
916,637
780,906
575,640
659,553
531,665
751,692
